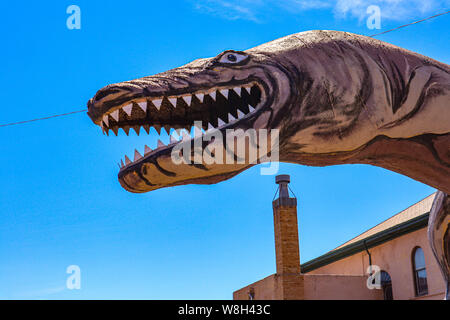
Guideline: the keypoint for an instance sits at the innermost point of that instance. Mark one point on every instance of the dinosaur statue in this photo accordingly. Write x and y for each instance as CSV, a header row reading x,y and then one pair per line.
x,y
335,97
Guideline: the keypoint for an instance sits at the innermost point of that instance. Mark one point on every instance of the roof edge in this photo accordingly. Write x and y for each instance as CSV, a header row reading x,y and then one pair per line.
x,y
372,241
395,215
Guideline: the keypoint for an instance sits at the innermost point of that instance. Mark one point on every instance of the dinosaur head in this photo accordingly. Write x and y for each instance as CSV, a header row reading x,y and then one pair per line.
x,y
334,98
234,90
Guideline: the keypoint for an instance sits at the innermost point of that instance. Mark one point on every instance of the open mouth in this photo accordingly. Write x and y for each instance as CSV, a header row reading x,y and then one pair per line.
x,y
214,108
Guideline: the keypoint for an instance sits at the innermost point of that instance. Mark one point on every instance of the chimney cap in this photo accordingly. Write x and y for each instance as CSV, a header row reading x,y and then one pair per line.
x,y
284,199
282,178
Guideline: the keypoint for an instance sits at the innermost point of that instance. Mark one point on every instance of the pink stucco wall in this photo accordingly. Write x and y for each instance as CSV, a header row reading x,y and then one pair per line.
x,y
338,287
264,289
394,257
310,287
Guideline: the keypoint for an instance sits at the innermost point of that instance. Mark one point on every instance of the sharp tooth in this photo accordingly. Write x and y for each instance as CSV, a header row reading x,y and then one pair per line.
x,y
143,106
160,144
213,95
163,129
248,89
128,109
220,122
146,128
106,120
238,90
251,108
240,114
157,103
115,115
173,101
137,155
147,150
126,129
127,160
115,130
176,134
173,139
200,96
188,99
231,118
210,126
137,129
121,163
224,92
185,134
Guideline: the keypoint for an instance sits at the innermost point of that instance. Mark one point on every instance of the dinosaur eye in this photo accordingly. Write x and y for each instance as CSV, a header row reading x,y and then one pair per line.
x,y
232,57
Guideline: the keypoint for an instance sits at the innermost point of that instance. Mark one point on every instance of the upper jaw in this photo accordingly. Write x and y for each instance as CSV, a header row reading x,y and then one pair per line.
x,y
167,108
217,107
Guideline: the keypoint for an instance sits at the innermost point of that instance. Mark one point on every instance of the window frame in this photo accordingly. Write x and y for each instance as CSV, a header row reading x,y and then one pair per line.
x,y
418,290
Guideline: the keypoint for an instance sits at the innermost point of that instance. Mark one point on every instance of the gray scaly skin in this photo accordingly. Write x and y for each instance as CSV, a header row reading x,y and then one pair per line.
x,y
336,98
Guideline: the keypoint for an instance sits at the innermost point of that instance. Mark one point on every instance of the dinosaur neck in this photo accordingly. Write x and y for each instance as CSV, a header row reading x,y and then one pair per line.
x,y
425,158
370,103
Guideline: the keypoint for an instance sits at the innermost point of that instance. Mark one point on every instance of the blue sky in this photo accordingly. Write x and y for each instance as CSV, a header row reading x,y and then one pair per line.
x,y
61,203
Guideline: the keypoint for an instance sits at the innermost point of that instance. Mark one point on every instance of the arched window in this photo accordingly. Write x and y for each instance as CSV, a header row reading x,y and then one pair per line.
x,y
420,272
386,285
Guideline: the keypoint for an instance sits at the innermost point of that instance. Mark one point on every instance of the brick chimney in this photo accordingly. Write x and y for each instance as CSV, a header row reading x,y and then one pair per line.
x,y
287,283
286,229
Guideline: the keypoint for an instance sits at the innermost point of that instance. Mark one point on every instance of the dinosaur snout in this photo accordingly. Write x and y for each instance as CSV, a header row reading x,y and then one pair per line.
x,y
110,97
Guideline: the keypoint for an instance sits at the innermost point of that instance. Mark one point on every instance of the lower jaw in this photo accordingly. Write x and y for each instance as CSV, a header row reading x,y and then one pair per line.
x,y
159,170
157,175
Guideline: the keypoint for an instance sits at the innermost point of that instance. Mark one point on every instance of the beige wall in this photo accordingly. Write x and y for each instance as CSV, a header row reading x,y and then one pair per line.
x,y
309,287
274,287
339,287
394,257
263,289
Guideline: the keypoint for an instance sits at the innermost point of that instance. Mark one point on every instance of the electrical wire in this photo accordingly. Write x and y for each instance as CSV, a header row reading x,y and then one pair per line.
x,y
409,24
44,118
84,110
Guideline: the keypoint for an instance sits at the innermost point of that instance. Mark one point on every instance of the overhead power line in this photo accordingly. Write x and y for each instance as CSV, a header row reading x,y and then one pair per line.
x,y
84,110
409,24
44,118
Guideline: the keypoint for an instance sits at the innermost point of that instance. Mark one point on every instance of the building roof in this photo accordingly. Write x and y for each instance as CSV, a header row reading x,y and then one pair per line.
x,y
417,209
412,218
